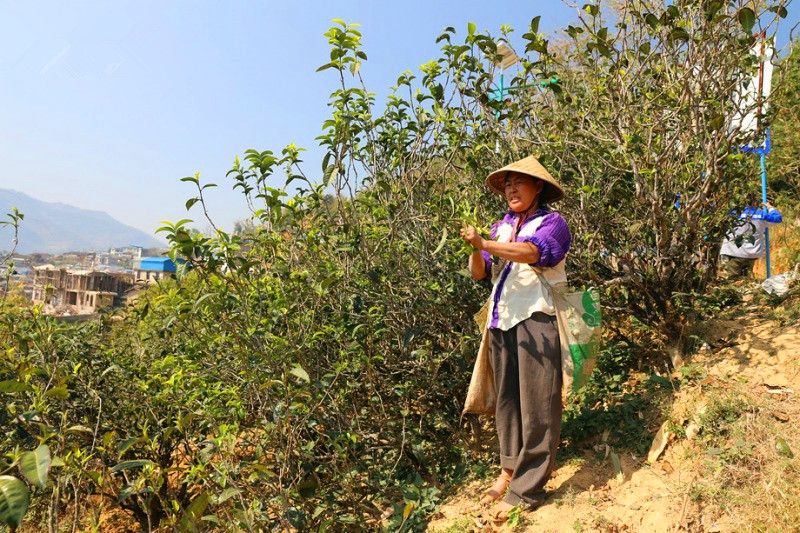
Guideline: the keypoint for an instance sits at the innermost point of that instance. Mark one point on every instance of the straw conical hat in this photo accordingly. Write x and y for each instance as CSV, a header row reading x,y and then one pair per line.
x,y
552,191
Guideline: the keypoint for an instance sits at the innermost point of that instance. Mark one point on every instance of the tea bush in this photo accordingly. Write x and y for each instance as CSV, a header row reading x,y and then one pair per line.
x,y
308,370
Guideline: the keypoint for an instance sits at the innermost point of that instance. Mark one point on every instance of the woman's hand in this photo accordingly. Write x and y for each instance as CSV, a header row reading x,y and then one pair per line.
x,y
471,235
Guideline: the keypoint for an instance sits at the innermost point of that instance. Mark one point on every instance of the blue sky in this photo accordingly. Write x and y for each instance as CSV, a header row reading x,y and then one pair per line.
x,y
106,105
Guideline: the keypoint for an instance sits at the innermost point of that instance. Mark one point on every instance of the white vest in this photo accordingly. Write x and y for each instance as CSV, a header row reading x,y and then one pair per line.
x,y
522,293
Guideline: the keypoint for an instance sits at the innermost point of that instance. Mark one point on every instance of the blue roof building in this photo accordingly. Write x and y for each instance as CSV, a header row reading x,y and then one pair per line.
x,y
154,268
157,264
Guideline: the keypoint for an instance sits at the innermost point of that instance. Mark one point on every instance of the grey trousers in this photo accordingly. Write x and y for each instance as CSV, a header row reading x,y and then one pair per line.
x,y
527,370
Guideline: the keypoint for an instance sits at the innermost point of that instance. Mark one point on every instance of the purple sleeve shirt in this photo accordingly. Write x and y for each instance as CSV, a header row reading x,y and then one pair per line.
x,y
552,238
487,260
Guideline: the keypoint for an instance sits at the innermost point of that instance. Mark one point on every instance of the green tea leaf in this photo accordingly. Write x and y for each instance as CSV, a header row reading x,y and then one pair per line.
x,y
124,445
194,512
14,386
617,467
783,448
300,373
60,393
747,19
14,500
227,494
442,241
535,24
127,465
127,490
35,465
77,429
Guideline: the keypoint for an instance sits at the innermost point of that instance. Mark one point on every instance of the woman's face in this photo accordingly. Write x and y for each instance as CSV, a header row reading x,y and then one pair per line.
x,y
521,190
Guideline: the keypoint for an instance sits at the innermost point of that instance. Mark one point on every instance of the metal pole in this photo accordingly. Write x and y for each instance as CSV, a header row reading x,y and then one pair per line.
x,y
767,146
499,99
764,200
501,92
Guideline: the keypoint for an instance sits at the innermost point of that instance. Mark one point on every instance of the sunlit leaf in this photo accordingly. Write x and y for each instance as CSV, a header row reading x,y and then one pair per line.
x,y
783,448
61,393
442,241
300,373
227,494
127,465
35,465
14,500
617,467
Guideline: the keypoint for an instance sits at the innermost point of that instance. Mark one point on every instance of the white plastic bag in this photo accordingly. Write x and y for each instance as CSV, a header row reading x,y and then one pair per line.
x,y
779,284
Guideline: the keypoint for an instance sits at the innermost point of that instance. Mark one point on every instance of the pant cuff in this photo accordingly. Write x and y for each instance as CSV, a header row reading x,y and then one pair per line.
x,y
507,461
527,502
512,499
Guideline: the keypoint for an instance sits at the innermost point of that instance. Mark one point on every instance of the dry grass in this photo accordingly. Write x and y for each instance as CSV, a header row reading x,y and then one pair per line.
x,y
746,480
743,478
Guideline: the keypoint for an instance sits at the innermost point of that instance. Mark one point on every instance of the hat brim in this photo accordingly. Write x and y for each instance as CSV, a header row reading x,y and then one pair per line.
x,y
551,192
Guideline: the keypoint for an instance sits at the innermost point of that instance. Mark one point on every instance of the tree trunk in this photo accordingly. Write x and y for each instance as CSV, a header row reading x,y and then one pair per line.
x,y
675,351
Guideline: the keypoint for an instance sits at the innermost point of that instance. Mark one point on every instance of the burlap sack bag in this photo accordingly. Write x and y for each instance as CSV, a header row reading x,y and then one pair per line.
x,y
482,392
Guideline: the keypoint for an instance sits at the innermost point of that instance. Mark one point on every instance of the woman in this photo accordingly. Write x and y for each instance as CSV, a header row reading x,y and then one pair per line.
x,y
529,242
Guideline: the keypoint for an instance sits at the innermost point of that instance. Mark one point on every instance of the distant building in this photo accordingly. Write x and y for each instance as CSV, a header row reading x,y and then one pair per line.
x,y
22,280
77,292
132,251
117,259
153,269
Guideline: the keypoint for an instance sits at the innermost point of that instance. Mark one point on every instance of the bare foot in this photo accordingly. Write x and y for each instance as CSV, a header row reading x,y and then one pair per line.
x,y
500,511
497,490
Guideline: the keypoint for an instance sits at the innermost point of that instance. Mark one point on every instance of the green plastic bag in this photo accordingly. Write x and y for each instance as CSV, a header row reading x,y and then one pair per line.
x,y
580,333
579,327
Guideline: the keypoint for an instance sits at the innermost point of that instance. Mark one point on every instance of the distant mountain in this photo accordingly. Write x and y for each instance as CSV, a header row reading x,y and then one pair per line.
x,y
57,228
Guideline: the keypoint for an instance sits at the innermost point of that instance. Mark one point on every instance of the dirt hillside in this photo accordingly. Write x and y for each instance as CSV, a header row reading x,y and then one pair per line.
x,y
731,460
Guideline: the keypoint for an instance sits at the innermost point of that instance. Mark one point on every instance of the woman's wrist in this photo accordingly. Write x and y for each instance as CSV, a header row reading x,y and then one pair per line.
x,y
477,265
